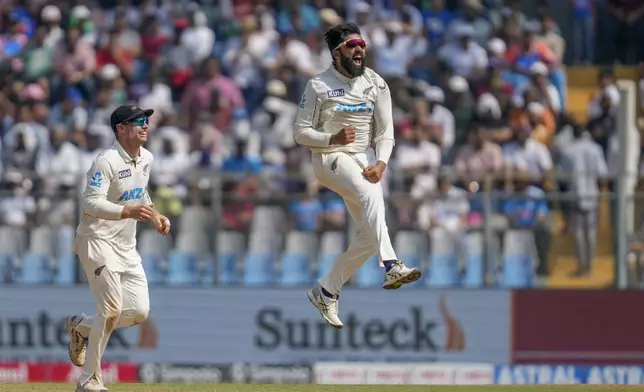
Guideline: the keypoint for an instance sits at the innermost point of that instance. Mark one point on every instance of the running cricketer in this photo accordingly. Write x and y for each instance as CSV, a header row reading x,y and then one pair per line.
x,y
343,112
114,200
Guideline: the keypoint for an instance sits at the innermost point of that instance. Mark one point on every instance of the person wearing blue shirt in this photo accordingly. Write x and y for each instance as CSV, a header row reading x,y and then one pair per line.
x,y
437,18
529,211
240,162
306,213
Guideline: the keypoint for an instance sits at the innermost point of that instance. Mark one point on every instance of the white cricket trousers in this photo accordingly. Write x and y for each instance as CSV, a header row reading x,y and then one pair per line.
x,y
119,286
365,202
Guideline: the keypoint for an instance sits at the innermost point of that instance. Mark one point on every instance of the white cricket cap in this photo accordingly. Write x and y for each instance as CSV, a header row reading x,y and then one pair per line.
x,y
464,30
497,46
276,88
458,84
539,68
488,103
110,72
536,108
363,7
81,12
50,13
435,94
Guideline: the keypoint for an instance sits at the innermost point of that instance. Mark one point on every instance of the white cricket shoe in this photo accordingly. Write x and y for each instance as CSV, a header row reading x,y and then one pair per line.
x,y
328,307
77,343
93,385
400,274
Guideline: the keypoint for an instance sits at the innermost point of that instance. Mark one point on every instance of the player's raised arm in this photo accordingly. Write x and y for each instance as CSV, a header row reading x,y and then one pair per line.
x,y
308,113
94,200
383,123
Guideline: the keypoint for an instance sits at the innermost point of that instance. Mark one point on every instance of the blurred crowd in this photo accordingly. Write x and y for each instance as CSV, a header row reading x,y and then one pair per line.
x,y
478,89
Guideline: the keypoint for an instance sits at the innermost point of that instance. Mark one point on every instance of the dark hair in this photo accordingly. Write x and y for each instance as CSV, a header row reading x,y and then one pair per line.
x,y
337,34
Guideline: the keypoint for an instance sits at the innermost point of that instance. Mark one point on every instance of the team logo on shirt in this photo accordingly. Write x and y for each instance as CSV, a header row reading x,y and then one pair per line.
x,y
365,93
366,107
146,170
132,194
338,92
96,181
383,87
125,174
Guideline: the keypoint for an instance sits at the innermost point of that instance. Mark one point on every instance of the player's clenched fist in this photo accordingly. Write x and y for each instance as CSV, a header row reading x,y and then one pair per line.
x,y
139,212
346,135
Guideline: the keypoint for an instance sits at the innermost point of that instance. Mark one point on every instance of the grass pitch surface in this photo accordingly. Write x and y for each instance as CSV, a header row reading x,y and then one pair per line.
x,y
314,388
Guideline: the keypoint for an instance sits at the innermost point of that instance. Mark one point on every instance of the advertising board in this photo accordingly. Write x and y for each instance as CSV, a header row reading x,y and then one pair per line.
x,y
592,327
265,326
568,374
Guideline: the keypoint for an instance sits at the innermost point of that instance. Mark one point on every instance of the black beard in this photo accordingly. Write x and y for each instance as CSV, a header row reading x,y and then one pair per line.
x,y
350,67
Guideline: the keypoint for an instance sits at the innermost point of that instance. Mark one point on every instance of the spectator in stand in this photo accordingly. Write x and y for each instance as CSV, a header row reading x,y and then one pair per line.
x,y
441,120
238,203
606,86
472,15
530,51
620,31
211,91
74,64
459,100
479,157
437,20
529,211
546,92
18,208
527,154
464,57
550,36
583,160
51,20
583,23
198,38
447,211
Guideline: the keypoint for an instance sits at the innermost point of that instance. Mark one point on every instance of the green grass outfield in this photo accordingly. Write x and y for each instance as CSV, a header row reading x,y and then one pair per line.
x,y
315,388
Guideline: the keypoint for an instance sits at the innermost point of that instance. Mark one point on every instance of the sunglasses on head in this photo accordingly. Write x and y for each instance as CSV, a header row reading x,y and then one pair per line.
x,y
353,43
138,122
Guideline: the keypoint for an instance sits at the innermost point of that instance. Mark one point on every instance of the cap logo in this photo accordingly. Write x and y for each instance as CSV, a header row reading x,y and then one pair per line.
x,y
133,108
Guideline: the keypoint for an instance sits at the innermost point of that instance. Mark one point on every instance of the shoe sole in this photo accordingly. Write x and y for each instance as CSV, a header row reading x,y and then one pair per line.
x,y
308,295
411,277
70,332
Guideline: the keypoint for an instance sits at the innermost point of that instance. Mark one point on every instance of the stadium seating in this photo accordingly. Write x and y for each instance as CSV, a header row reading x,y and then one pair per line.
x,y
370,274
475,273
41,241
183,268
443,259
65,274
153,264
259,269
35,269
518,259
196,219
297,259
230,251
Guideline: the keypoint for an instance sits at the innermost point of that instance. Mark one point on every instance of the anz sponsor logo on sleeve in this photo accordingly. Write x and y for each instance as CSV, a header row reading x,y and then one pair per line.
x,y
125,174
339,92
365,107
132,194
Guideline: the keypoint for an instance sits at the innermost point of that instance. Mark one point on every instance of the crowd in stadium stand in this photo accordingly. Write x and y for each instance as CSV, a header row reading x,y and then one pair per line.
x,y
478,89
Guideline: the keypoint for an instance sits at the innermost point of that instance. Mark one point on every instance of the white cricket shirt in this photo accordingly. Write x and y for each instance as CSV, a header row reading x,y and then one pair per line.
x,y
331,101
114,180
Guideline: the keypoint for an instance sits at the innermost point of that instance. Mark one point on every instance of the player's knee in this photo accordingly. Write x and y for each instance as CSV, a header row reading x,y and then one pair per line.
x,y
141,314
